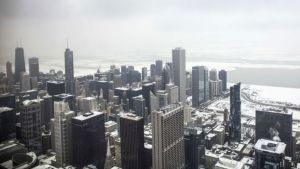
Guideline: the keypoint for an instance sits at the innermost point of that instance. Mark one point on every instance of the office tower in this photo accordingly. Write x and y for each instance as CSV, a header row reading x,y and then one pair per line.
x,y
269,154
158,67
147,88
25,81
130,68
34,70
235,113
215,88
8,100
166,77
62,133
139,107
275,125
144,73
9,74
69,72
152,70
162,96
117,79
66,98
169,69
132,143
213,75
7,123
30,118
154,104
89,145
46,141
49,113
194,140
168,138
89,104
178,60
200,85
223,77
19,63
34,83
172,91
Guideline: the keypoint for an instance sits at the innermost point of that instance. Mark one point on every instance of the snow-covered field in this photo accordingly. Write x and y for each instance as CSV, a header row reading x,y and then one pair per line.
x,y
266,94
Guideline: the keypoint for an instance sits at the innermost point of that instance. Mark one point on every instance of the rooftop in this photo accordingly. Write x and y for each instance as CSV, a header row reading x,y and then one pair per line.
x,y
131,116
270,146
87,115
5,109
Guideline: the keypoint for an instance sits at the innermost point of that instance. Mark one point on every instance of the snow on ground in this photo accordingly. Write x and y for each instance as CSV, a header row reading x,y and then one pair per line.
x,y
267,94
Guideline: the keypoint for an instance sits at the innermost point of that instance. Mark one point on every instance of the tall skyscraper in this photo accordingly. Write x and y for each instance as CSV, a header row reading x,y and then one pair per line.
x,y
215,88
144,73
275,125
159,67
178,60
69,72
223,77
168,138
34,69
200,85
19,63
213,75
9,74
132,143
162,97
66,98
152,70
235,113
25,81
62,133
31,123
89,145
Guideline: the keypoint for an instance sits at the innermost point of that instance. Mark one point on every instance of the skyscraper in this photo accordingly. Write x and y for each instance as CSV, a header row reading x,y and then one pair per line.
x,y
200,85
89,145
9,74
223,77
55,87
172,91
213,75
144,73
62,133
25,81
235,113
31,123
69,72
178,60
159,67
34,69
132,143
139,107
19,63
168,138
7,123
152,70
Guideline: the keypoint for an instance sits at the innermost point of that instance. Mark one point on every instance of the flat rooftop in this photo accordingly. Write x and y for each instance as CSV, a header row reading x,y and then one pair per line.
x,y
270,146
131,116
5,109
87,115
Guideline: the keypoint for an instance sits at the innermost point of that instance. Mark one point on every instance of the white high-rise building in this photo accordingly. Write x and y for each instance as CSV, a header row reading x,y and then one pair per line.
x,y
63,133
162,96
172,91
89,104
178,60
168,137
25,81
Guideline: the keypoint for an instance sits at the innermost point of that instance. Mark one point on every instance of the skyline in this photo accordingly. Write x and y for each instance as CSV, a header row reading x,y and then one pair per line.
x,y
267,30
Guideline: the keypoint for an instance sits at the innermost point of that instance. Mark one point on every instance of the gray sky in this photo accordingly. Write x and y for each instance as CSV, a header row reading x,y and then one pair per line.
x,y
236,28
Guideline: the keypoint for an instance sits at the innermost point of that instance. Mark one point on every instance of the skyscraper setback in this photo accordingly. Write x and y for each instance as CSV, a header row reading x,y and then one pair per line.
x,y
178,60
69,72
19,63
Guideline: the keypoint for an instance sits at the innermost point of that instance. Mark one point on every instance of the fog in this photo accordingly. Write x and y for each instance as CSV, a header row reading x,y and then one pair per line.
x,y
227,29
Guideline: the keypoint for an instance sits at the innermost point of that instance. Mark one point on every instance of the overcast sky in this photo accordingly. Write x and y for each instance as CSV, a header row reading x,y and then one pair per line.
x,y
97,27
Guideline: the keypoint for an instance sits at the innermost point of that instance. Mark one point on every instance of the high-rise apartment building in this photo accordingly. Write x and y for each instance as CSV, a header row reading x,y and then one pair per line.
x,y
235,113
178,60
168,138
